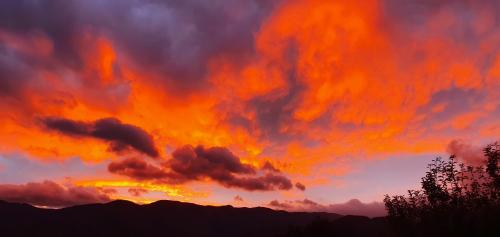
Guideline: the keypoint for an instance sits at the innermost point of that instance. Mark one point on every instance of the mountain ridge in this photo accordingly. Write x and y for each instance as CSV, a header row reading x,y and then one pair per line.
x,y
173,218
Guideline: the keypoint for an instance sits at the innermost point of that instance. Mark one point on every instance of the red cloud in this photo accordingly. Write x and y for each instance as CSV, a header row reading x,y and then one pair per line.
x,y
270,167
137,192
300,186
238,198
51,194
138,169
472,155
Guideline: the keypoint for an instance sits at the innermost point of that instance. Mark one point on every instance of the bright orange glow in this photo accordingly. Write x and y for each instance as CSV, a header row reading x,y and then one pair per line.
x,y
337,69
314,88
172,192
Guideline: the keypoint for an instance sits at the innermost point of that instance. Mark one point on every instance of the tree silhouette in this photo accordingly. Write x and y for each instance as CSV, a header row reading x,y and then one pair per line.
x,y
455,199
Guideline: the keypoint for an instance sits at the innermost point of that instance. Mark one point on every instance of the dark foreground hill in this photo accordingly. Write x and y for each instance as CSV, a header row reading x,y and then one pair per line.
x,y
171,218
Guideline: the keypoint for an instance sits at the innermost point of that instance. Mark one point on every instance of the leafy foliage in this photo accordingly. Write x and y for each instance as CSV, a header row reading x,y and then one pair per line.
x,y
455,199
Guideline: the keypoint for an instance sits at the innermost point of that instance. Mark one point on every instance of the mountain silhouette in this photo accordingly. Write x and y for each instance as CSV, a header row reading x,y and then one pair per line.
x,y
161,218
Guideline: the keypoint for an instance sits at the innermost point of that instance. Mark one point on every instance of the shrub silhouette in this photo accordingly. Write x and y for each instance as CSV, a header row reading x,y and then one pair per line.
x,y
455,200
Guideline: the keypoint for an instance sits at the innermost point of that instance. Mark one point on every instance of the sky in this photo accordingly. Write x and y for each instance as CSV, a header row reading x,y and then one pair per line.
x,y
295,105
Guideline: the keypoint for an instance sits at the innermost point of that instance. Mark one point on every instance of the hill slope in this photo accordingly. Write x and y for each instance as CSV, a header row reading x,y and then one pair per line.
x,y
162,218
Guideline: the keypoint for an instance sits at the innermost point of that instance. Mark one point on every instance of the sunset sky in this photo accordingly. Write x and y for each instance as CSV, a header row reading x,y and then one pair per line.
x,y
297,105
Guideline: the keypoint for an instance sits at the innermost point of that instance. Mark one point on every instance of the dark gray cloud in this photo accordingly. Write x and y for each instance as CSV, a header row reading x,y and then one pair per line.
x,y
120,135
190,163
456,101
273,110
216,162
171,38
58,19
222,166
412,17
13,76
267,182
447,105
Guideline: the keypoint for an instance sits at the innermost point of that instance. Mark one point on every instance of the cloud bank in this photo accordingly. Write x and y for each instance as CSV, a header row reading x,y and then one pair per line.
x,y
351,207
51,194
190,163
